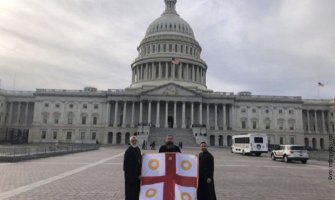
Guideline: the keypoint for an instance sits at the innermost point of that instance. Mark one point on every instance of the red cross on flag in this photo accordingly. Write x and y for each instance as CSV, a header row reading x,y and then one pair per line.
x,y
169,176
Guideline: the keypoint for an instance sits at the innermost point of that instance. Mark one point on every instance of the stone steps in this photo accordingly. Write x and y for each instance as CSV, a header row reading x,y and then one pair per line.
x,y
180,135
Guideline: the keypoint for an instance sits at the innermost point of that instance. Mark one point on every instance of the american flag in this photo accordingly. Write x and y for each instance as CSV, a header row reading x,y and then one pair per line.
x,y
321,84
175,61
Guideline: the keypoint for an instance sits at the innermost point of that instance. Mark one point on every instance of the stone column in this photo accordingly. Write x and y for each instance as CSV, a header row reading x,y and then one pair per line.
x,y
108,113
329,122
26,114
124,114
308,122
157,116
187,76
123,137
175,115
200,113
183,125
132,115
160,70
173,71
149,113
193,73
166,70
323,121
224,124
216,140
232,117
216,117
207,112
18,113
166,114
116,113
153,70
316,121
192,114
141,113
132,75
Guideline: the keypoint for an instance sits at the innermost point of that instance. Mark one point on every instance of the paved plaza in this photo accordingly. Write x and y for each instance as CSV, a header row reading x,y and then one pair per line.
x,y
98,175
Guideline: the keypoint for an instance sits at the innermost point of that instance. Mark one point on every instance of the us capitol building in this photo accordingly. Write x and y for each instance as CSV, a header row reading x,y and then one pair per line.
x,y
167,95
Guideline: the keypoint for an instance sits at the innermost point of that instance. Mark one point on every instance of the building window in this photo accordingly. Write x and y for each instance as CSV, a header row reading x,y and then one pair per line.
x,y
54,135
83,120
244,124
266,111
82,135
45,119
291,140
94,135
280,111
254,125
291,112
68,135
331,114
85,106
96,106
243,110
46,105
71,106
56,121
57,105
95,120
281,140
253,110
267,126
44,134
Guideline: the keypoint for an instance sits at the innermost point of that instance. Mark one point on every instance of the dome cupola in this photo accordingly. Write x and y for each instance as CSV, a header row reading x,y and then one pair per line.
x,y
169,52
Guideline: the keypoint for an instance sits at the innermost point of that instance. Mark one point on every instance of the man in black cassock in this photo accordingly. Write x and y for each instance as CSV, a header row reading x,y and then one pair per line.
x,y
169,146
206,189
132,164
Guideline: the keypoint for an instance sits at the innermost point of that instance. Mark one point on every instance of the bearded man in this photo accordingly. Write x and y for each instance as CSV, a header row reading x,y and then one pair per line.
x,y
132,164
169,145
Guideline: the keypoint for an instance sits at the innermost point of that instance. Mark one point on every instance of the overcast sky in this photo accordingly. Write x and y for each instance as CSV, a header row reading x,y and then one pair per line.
x,y
268,47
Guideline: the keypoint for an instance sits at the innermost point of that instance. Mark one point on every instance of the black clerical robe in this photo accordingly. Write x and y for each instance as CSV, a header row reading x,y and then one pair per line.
x,y
169,148
206,191
132,164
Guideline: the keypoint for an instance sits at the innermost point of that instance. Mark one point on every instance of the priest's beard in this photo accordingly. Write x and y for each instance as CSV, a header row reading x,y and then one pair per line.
x,y
169,145
134,145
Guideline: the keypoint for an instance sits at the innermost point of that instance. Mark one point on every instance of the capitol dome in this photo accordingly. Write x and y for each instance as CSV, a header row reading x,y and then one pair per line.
x,y
169,53
170,23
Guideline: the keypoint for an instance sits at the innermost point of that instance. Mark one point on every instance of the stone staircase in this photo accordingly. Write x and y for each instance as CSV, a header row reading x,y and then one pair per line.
x,y
180,135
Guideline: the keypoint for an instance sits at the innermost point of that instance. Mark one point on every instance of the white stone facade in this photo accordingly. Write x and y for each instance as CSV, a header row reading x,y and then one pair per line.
x,y
163,94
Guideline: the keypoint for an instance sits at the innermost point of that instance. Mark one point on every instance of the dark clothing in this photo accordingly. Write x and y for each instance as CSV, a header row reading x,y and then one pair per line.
x,y
132,164
206,191
169,148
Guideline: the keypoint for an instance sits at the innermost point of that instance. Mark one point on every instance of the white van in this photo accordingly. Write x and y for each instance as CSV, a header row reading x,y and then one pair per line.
x,y
253,143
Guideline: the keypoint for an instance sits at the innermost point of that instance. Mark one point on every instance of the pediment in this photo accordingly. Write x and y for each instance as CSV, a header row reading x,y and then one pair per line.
x,y
170,90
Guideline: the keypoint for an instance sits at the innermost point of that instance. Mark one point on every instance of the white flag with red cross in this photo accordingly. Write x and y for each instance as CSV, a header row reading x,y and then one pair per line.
x,y
169,176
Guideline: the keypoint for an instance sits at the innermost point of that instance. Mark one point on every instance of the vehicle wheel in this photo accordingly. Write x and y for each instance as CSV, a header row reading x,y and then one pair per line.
x,y
273,157
286,159
258,154
304,161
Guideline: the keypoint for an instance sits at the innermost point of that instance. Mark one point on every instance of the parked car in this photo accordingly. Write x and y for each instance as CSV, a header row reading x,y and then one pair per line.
x,y
291,152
